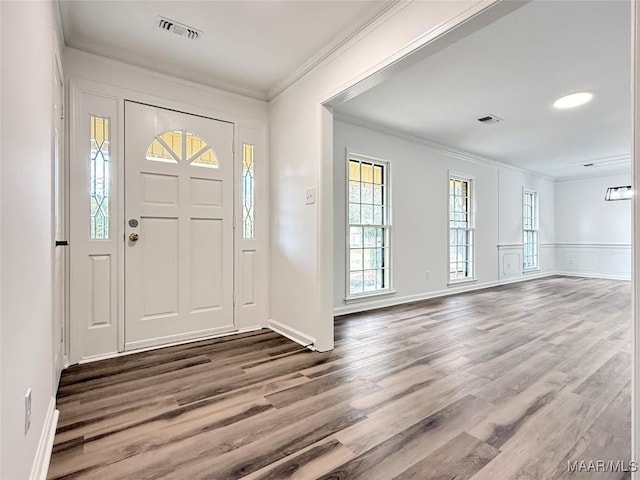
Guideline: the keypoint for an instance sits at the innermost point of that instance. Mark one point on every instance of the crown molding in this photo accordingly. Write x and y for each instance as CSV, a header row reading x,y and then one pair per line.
x,y
338,45
162,76
592,174
623,161
131,60
437,147
607,161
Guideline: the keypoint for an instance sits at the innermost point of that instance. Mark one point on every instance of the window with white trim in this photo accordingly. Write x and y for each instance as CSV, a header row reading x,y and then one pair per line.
x,y
530,229
461,229
367,227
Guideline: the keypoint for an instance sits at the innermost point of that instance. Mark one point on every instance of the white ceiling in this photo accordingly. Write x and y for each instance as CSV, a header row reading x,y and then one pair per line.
x,y
516,68
251,47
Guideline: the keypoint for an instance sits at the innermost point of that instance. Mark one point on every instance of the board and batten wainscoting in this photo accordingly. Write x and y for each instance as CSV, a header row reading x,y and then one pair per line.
x,y
510,268
595,260
607,261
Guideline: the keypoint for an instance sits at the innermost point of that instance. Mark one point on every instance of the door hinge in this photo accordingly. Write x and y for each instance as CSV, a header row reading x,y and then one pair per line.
x,y
234,222
234,299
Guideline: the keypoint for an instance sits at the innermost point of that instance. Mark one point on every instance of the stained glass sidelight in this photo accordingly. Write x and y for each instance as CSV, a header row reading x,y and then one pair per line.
x,y
248,197
100,177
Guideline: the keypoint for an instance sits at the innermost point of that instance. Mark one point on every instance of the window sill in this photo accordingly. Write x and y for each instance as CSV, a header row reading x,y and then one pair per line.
x,y
369,296
531,270
453,283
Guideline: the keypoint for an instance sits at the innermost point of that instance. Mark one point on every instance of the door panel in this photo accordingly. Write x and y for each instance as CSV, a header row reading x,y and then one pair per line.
x,y
159,250
179,203
207,282
100,281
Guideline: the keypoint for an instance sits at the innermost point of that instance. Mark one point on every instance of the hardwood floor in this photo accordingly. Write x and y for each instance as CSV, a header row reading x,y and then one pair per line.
x,y
505,383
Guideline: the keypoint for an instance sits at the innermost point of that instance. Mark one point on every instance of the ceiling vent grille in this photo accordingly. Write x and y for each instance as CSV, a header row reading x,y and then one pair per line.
x,y
178,28
490,119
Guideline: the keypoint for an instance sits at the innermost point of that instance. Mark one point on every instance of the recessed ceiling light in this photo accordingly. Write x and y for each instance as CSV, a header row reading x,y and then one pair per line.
x,y
573,100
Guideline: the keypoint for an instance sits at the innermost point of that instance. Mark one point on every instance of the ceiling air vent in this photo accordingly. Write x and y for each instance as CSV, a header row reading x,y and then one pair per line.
x,y
490,119
178,28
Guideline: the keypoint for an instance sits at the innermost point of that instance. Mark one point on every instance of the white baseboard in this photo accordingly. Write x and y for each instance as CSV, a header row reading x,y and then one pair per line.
x,y
292,334
45,446
604,276
389,302
528,276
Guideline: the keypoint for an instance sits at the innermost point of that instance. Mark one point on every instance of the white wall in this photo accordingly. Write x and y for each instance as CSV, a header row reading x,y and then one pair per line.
x,y
593,237
419,231
300,158
26,228
583,216
419,238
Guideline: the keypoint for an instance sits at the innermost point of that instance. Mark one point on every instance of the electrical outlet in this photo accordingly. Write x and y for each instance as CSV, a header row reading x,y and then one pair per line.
x,y
427,275
27,411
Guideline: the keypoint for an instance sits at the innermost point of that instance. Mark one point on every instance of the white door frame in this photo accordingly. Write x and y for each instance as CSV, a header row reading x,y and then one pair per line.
x,y
253,313
635,238
59,215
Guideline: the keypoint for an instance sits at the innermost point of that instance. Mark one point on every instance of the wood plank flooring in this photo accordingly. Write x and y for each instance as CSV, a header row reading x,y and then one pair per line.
x,y
506,383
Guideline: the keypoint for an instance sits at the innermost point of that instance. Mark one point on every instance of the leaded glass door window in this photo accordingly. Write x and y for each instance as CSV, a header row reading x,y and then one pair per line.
x,y
180,145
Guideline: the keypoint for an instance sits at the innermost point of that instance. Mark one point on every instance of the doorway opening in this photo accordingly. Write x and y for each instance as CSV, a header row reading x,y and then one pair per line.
x,y
516,202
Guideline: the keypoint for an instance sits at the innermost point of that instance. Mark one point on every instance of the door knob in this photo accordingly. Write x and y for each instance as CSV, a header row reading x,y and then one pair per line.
x,y
133,237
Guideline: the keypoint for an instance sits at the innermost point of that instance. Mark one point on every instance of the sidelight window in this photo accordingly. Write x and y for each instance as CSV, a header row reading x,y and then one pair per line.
x,y
248,195
100,178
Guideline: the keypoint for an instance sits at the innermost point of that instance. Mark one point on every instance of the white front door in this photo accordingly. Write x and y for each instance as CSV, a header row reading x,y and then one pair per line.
x,y
178,226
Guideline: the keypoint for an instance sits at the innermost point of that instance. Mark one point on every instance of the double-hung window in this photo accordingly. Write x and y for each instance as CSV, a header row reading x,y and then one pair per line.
x,y
461,229
530,229
367,227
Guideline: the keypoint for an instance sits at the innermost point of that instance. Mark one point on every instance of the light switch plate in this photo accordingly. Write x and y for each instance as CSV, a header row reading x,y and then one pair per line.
x,y
310,197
